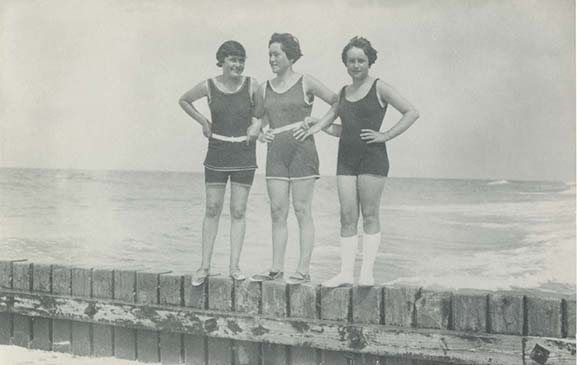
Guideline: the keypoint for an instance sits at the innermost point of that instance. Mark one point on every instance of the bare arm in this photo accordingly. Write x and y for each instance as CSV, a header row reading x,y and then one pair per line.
x,y
253,130
316,88
410,114
264,136
186,103
334,130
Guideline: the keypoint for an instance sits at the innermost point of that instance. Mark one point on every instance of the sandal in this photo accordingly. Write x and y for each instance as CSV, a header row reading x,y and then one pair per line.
x,y
298,278
267,276
237,275
200,277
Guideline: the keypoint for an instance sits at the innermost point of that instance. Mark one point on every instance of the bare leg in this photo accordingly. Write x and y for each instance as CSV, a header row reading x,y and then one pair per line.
x,y
238,197
370,192
214,202
347,187
302,202
349,202
278,192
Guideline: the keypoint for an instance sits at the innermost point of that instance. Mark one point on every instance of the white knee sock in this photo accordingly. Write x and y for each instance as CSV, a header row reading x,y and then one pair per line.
x,y
348,252
371,244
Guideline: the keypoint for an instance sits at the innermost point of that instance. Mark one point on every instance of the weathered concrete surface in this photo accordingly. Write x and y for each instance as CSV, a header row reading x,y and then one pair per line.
x,y
170,348
5,328
41,331
81,338
125,285
102,340
42,278
81,282
331,335
543,317
194,296
146,288
170,289
194,350
304,300
367,304
247,353
219,351
102,284
21,275
506,314
570,327
220,293
61,280
247,297
470,312
274,299
5,275
148,345
336,304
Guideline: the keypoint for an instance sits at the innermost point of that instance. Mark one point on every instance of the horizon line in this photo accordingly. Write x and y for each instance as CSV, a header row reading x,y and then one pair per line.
x,y
262,174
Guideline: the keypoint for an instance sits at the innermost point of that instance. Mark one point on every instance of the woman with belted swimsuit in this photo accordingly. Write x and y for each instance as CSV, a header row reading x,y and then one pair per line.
x,y
363,163
231,132
292,166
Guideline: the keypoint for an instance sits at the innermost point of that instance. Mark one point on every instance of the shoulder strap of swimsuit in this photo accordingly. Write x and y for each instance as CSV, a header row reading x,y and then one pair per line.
x,y
342,92
209,89
377,94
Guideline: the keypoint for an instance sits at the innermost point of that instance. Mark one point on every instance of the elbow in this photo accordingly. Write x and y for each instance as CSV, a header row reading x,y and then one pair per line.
x,y
184,103
415,114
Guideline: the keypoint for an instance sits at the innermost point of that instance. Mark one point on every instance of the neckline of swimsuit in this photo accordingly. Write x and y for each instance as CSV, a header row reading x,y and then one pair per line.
x,y
367,94
226,92
284,92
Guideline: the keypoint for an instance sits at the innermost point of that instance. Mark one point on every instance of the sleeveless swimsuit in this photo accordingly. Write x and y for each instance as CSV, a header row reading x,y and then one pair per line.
x,y
287,158
231,115
355,156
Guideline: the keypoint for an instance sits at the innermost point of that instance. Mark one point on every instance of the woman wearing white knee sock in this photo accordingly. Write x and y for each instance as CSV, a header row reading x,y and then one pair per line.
x,y
362,160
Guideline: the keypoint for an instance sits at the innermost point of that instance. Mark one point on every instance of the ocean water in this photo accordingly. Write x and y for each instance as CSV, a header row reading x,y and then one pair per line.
x,y
437,233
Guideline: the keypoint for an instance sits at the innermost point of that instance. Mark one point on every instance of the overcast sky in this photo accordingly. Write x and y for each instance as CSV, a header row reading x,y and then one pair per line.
x,y
95,84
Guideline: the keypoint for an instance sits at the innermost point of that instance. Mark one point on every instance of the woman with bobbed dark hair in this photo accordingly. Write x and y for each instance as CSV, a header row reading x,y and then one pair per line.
x,y
231,132
363,163
284,102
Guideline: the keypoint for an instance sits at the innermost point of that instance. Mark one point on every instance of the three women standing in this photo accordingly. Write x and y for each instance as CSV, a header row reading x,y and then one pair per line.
x,y
285,104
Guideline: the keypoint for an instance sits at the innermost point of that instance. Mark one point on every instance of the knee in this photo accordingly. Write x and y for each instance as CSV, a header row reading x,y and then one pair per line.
x,y
371,221
278,213
237,213
302,211
349,218
213,210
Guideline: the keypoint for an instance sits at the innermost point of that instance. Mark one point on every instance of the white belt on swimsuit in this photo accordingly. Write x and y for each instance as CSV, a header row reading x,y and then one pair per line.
x,y
229,139
288,127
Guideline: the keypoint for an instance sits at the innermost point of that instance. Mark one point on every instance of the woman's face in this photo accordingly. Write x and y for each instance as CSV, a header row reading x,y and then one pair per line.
x,y
233,66
277,59
357,63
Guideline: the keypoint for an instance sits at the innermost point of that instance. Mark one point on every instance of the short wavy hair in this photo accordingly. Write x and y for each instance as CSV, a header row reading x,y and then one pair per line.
x,y
361,43
289,44
229,48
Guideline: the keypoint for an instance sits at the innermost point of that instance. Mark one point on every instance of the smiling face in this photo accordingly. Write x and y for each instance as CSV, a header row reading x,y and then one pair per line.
x,y
233,66
357,63
278,59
